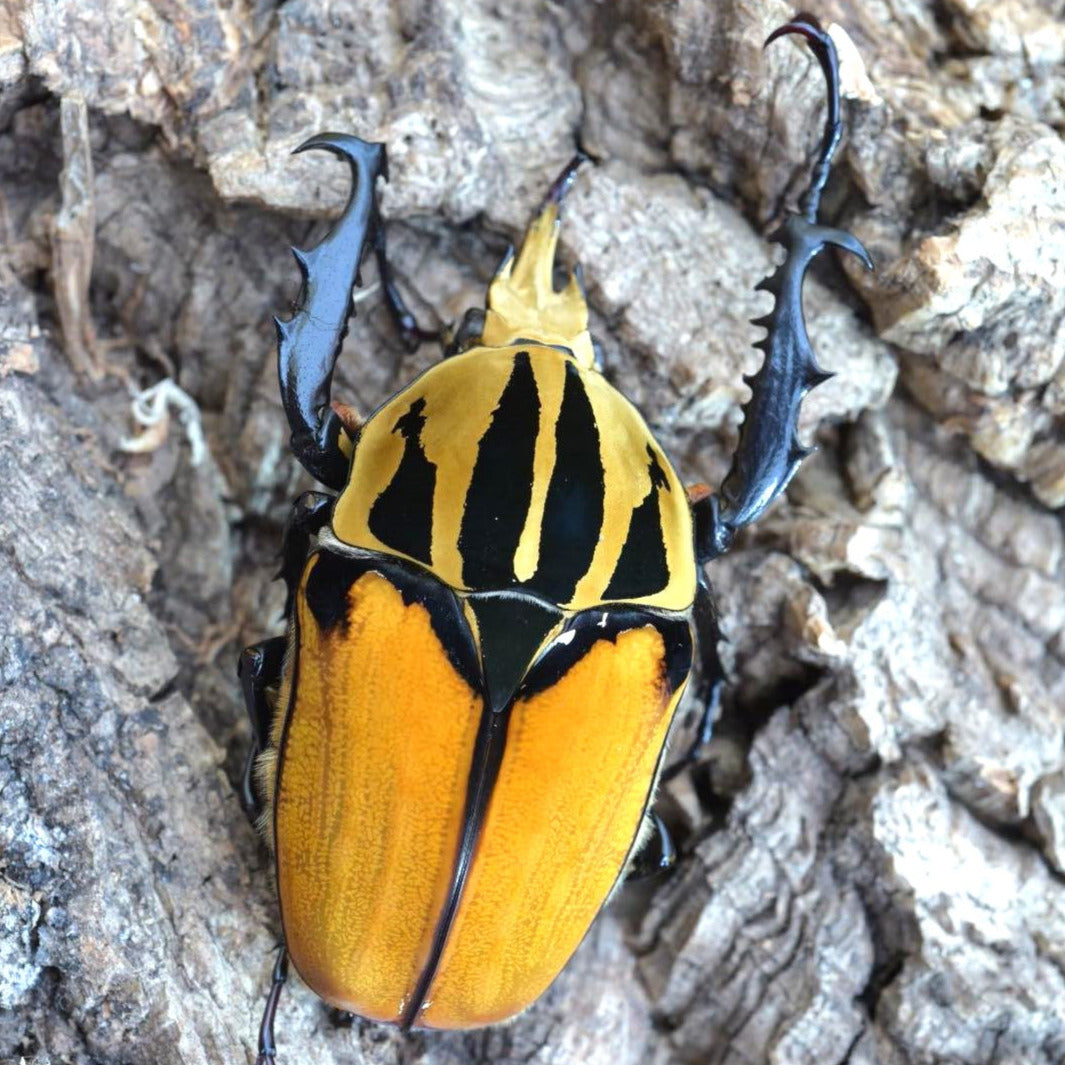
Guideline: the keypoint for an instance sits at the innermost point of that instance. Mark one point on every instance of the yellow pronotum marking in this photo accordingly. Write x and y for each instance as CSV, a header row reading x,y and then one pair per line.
x,y
624,441
370,798
460,396
578,765
549,386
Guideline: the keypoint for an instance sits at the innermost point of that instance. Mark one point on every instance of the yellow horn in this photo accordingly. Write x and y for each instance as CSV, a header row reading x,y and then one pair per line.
x,y
522,301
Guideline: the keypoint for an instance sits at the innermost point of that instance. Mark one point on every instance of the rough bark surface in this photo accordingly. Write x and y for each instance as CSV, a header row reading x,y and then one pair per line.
x,y
873,852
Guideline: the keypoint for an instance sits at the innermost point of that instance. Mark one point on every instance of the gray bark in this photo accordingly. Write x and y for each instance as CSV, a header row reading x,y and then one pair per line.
x,y
873,853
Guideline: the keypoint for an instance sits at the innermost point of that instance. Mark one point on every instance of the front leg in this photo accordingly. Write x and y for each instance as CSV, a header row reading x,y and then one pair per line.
x,y
259,670
769,452
710,678
309,342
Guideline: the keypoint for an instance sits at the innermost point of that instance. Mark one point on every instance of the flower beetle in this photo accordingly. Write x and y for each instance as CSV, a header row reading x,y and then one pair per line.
x,y
491,621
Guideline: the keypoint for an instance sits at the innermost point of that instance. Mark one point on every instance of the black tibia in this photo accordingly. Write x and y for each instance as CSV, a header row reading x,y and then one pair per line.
x,y
309,342
710,678
656,854
267,1047
310,513
407,326
259,669
260,665
769,452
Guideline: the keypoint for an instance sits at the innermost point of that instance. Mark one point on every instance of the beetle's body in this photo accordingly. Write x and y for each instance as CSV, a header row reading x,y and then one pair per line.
x,y
439,860
490,627
488,646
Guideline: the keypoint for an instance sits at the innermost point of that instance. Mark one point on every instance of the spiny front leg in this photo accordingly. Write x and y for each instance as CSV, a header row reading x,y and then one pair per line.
x,y
769,452
309,342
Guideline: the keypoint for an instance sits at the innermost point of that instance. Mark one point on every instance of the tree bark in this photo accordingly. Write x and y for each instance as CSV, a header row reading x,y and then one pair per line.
x,y
873,851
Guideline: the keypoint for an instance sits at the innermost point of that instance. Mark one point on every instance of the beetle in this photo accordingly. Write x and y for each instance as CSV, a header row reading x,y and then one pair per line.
x,y
492,616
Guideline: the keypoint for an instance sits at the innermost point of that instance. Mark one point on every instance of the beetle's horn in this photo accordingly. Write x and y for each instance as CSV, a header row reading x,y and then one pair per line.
x,y
564,182
522,301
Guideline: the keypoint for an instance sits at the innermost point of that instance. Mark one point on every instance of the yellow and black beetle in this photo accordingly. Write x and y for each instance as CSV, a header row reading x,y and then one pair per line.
x,y
490,625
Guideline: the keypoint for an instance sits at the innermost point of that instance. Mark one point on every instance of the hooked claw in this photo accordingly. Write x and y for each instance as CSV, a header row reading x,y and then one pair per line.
x,y
807,26
803,23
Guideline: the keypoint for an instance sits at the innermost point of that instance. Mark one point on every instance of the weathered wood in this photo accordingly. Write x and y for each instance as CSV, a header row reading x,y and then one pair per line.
x,y
872,853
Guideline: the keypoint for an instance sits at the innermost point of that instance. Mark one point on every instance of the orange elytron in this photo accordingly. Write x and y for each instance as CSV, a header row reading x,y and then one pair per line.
x,y
491,623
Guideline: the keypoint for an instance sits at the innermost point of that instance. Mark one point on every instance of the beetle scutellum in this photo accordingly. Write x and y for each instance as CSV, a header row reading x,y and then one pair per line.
x,y
490,625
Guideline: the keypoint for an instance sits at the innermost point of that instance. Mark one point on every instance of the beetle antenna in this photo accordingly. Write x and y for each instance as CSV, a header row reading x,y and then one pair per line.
x,y
824,48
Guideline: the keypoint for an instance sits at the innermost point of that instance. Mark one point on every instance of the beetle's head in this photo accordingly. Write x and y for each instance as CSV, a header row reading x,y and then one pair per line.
x,y
523,303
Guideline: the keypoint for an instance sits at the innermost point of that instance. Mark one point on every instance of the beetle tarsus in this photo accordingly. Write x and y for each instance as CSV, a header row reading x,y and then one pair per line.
x,y
267,1047
808,27
657,855
411,334
769,451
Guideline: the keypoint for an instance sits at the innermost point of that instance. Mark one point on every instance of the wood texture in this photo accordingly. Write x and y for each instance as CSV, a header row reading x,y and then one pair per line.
x,y
872,855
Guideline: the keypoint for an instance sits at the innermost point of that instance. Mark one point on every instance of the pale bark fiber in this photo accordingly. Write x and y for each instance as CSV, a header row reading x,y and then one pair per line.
x,y
873,854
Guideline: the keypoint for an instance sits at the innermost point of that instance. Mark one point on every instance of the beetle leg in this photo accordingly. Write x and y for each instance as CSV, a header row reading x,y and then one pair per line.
x,y
259,669
310,513
340,1018
711,676
309,342
468,334
260,665
267,1047
410,332
769,452
656,854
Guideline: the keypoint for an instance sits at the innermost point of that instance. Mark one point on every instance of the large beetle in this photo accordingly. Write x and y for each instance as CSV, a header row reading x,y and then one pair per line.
x,y
490,624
